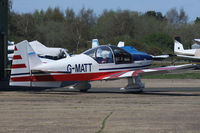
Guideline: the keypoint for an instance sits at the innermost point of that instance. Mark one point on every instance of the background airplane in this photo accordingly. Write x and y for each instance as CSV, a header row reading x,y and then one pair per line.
x,y
191,54
104,62
134,52
47,54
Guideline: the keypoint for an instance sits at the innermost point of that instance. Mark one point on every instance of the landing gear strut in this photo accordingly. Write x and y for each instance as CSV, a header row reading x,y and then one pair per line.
x,y
82,86
134,86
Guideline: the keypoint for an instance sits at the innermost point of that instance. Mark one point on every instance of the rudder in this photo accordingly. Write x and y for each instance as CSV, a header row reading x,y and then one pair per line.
x,y
24,60
178,47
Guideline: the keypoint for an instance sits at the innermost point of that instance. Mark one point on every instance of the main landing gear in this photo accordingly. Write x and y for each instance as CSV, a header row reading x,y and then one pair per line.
x,y
83,86
134,85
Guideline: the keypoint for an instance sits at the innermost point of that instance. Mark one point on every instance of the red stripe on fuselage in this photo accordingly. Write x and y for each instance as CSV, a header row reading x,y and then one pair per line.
x,y
14,66
65,77
15,48
19,79
17,57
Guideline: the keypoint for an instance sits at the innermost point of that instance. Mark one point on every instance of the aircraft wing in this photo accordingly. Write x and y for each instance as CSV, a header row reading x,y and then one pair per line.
x,y
194,58
151,71
160,57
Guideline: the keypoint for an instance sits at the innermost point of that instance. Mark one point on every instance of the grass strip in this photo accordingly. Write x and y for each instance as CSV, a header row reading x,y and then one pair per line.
x,y
104,122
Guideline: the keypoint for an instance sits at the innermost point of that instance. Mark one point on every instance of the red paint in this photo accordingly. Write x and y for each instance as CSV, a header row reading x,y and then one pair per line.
x,y
65,77
19,79
136,72
117,75
17,57
14,66
15,48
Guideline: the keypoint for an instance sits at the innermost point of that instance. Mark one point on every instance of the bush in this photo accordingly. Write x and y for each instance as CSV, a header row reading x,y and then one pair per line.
x,y
158,41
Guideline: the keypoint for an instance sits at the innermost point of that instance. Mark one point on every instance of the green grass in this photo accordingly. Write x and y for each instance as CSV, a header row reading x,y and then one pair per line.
x,y
103,123
174,76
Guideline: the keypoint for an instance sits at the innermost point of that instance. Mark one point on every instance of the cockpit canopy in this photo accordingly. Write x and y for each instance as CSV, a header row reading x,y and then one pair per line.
x,y
109,54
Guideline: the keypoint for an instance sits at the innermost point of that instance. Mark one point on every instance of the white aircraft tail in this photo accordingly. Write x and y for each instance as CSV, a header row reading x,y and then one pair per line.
x,y
178,47
120,44
24,60
95,43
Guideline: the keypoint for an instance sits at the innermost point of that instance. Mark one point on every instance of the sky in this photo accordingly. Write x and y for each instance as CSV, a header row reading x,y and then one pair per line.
x,y
191,7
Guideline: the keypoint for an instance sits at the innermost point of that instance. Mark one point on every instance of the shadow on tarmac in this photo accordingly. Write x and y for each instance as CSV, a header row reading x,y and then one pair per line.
x,y
147,91
169,94
156,91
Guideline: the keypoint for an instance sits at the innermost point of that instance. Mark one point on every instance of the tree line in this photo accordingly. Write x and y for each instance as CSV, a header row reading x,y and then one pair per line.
x,y
151,31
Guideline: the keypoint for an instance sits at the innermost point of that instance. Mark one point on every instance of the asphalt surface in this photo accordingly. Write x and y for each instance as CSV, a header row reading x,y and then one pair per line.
x,y
165,106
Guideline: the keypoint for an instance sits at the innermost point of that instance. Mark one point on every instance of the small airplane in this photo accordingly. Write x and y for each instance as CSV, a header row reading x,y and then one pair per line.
x,y
191,54
134,52
47,54
105,62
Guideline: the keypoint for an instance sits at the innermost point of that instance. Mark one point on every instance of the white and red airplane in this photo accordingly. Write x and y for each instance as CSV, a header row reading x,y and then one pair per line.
x,y
104,62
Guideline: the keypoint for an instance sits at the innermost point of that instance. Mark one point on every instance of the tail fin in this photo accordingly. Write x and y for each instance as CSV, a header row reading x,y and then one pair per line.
x,y
95,43
178,47
120,44
24,60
